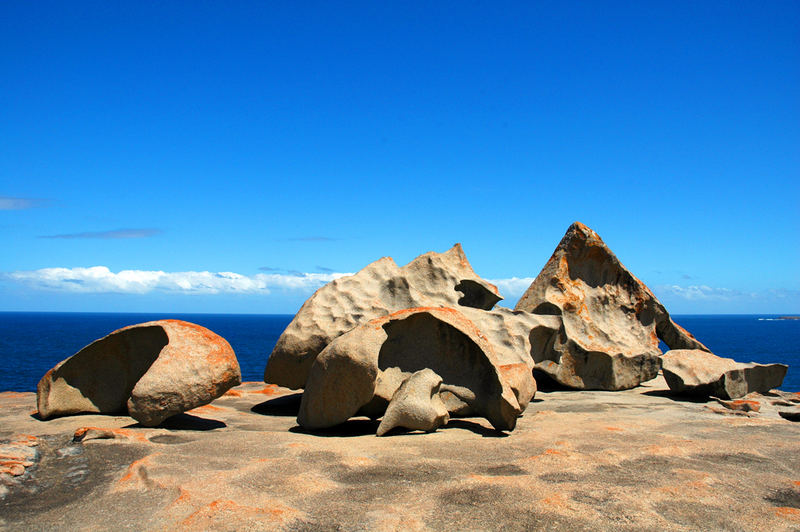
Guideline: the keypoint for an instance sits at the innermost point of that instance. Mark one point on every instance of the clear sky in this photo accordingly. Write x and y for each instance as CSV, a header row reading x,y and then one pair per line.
x,y
231,157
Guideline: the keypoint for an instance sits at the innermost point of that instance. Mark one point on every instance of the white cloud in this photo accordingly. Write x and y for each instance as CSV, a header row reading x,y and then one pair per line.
x,y
113,234
700,292
513,287
17,204
98,279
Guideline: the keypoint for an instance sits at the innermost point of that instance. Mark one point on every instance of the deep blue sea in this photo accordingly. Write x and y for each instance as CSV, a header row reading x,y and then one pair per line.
x,y
33,342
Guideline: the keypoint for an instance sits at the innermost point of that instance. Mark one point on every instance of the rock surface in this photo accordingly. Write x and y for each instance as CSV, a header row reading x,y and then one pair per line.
x,y
151,371
416,405
430,280
628,461
696,372
611,322
343,378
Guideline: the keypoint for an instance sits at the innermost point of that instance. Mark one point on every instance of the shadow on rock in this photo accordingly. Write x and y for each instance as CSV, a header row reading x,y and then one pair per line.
x,y
545,383
353,427
477,428
186,422
286,405
677,397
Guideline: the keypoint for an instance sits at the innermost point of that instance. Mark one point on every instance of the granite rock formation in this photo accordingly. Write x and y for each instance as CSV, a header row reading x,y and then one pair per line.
x,y
610,321
345,375
430,280
151,371
696,372
416,404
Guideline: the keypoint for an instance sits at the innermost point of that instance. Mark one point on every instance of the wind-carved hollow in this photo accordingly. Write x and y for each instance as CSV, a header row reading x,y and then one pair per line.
x,y
103,374
548,309
422,341
476,295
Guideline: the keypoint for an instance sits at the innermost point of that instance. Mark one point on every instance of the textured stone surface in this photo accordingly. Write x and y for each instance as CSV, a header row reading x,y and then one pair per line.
x,y
430,280
343,378
696,372
416,404
624,461
611,322
152,371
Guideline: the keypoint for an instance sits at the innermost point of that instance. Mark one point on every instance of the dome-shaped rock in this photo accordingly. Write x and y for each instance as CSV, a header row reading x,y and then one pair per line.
x,y
151,371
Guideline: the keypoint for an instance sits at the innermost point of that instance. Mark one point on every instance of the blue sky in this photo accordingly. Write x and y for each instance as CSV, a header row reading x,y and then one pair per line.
x,y
284,144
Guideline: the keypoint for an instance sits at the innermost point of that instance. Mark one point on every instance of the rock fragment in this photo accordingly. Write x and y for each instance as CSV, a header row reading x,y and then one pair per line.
x,y
416,404
611,322
696,372
430,280
151,371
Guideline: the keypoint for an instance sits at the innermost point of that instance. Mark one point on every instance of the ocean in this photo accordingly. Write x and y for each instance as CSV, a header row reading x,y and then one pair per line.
x,y
33,342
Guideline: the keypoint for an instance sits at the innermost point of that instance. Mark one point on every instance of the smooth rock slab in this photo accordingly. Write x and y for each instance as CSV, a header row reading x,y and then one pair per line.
x,y
344,377
610,321
430,280
416,404
696,372
152,371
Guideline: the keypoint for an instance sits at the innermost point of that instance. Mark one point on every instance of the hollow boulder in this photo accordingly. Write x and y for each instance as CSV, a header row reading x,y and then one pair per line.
x,y
150,371
696,372
430,280
344,377
610,321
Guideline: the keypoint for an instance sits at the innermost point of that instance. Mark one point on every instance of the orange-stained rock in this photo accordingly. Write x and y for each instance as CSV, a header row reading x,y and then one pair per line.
x,y
611,322
433,279
696,372
151,371
344,376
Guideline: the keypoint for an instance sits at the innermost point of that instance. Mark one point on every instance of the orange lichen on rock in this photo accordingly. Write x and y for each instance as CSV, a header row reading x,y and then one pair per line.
x,y
99,433
228,512
269,389
138,474
788,512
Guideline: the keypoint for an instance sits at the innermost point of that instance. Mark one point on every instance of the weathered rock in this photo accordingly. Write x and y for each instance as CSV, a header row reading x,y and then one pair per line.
x,y
151,371
611,322
742,405
696,372
416,404
430,280
344,376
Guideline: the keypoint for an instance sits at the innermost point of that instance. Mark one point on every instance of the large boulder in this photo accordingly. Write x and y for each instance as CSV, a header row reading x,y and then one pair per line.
x,y
150,371
610,321
416,404
430,280
696,372
345,375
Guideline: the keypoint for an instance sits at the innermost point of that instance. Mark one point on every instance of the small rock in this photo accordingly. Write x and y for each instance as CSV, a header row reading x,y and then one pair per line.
x,y
696,372
742,405
416,405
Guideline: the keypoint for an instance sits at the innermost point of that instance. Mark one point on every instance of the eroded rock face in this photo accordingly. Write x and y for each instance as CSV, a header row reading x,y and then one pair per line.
x,y
416,404
430,280
696,372
151,371
344,377
610,321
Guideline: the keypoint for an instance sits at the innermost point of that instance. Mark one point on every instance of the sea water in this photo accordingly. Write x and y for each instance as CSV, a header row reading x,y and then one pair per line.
x,y
33,342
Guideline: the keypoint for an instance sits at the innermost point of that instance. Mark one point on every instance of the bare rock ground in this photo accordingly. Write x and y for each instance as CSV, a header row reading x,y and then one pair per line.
x,y
578,460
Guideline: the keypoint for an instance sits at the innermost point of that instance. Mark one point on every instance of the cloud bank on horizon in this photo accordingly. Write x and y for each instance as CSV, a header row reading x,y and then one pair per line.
x,y
100,279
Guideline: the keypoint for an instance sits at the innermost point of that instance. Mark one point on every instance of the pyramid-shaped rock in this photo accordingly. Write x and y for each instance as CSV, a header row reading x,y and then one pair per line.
x,y
611,321
430,280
